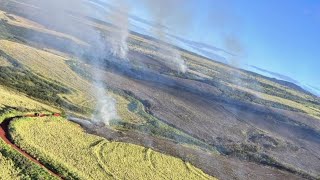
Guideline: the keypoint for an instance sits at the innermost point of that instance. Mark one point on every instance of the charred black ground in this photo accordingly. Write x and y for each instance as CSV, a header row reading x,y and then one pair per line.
x,y
231,128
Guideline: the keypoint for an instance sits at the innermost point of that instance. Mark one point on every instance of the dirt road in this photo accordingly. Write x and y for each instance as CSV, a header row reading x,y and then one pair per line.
x,y
4,135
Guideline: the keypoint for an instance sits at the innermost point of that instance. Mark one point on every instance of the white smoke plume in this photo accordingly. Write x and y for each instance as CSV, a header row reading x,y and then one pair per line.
x,y
55,14
171,12
173,59
105,108
119,17
235,46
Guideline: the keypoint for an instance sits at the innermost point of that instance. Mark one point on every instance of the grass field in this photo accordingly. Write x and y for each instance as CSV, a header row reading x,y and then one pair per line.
x,y
13,165
10,98
128,109
57,68
69,150
7,169
51,67
143,109
4,62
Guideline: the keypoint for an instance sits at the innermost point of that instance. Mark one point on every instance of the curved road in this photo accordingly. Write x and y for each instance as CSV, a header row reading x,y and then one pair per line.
x,y
4,135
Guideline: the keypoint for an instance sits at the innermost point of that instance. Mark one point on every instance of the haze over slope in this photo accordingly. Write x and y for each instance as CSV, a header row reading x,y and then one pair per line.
x,y
230,123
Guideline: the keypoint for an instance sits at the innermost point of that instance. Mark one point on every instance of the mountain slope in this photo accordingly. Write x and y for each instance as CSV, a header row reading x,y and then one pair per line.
x,y
228,122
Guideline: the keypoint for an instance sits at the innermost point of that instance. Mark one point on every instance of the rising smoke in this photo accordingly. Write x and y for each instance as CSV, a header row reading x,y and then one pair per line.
x,y
169,12
119,17
55,14
58,15
235,46
106,109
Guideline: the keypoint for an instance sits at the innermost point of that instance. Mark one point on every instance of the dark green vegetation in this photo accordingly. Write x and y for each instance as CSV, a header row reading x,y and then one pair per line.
x,y
26,168
78,67
153,126
19,78
263,128
22,168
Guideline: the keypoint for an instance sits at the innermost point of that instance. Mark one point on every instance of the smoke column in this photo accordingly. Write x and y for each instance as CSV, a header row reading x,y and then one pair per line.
x,y
234,45
167,11
119,17
56,15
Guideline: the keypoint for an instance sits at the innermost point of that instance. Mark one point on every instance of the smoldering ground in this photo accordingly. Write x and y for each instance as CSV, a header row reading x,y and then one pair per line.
x,y
174,14
167,15
208,118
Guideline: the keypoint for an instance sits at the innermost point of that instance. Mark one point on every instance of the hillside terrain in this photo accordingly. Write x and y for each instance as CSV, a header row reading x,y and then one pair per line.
x,y
213,121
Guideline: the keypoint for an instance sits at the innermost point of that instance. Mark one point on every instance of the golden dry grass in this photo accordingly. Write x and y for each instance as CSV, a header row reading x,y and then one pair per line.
x,y
7,169
52,67
15,99
309,110
68,148
123,110
291,91
23,22
4,62
14,165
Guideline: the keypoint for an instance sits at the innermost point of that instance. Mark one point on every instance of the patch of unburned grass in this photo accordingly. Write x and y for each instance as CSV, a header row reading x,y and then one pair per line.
x,y
7,169
311,111
73,153
14,99
4,62
41,62
13,165
51,67
128,109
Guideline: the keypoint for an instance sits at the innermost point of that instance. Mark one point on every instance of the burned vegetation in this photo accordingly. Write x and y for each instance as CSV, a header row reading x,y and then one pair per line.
x,y
228,122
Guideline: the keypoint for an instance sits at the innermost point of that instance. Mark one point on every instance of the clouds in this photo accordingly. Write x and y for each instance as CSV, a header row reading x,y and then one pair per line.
x,y
276,75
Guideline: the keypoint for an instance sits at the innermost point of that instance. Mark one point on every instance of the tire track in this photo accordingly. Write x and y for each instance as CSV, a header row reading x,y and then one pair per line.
x,y
97,150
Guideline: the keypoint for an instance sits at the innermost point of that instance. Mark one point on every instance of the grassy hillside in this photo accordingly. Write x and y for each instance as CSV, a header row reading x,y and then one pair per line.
x,y
15,166
232,83
43,79
51,67
11,98
7,169
250,119
69,150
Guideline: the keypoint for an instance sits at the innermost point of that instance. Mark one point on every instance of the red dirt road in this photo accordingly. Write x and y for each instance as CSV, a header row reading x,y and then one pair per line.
x,y
4,135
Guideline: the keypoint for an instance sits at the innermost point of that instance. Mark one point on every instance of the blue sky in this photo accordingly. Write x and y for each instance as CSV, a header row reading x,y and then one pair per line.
x,y
283,36
278,36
